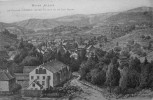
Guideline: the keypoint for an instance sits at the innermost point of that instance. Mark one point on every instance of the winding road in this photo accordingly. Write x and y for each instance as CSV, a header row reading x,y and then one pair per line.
x,y
88,92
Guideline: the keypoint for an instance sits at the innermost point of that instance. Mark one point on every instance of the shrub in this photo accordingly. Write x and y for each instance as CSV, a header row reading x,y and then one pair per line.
x,y
148,37
130,91
133,79
98,78
142,36
117,90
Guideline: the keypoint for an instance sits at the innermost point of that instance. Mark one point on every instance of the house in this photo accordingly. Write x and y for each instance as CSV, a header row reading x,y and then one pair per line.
x,y
12,55
7,83
23,78
47,75
74,55
61,49
35,85
90,50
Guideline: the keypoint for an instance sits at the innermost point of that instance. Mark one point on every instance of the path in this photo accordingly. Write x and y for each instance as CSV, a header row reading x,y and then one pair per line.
x,y
88,92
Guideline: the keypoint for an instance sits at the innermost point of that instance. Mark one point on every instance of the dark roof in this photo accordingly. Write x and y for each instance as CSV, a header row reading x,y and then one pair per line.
x,y
5,76
81,46
54,66
22,76
28,69
61,49
4,54
91,47
3,64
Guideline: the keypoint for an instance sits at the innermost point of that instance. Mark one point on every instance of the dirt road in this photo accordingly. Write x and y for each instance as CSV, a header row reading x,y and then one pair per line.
x,y
88,92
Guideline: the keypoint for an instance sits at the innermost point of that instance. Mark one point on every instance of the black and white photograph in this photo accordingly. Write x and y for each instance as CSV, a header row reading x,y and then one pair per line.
x,y
76,49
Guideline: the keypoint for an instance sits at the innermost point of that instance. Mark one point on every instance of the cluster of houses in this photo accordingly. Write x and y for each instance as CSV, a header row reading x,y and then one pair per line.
x,y
50,74
72,46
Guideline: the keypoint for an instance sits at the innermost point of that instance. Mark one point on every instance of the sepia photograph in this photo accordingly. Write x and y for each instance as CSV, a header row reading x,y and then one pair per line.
x,y
76,49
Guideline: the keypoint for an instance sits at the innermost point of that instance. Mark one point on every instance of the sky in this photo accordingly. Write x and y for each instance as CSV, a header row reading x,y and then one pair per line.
x,y
18,10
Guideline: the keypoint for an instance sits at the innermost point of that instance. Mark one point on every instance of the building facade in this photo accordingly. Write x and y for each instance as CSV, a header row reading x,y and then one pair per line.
x,y
48,75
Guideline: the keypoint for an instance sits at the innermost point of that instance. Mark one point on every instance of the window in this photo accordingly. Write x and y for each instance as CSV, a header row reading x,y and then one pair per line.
x,y
40,70
44,71
48,77
32,77
37,77
43,77
37,71
43,82
33,85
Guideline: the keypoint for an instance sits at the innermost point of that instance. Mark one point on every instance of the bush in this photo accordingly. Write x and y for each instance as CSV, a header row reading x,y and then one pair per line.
x,y
117,90
133,79
98,78
130,91
117,49
148,37
142,36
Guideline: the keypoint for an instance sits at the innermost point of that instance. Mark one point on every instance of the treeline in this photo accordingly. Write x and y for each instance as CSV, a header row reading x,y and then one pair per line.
x,y
118,70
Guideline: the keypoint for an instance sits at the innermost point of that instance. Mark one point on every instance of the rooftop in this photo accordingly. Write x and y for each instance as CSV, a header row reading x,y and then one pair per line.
x,y
54,66
28,69
5,76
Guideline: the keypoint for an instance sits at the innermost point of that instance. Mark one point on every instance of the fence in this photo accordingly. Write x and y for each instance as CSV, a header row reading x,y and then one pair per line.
x,y
32,93
5,93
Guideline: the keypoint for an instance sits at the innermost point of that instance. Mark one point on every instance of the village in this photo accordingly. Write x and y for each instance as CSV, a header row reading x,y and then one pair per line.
x,y
76,50
48,74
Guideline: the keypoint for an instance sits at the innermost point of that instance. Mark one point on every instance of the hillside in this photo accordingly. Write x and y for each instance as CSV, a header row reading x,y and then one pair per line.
x,y
14,29
134,35
78,20
124,22
112,25
141,9
133,16
7,39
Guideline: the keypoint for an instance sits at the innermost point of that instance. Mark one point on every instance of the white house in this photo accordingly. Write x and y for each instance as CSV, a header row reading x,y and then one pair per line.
x,y
47,75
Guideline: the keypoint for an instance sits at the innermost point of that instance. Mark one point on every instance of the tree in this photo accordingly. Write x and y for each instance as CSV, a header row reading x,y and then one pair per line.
x,y
100,53
124,77
66,58
117,49
144,75
86,67
50,55
131,42
147,37
133,79
74,64
98,77
134,64
112,73
59,56
30,61
142,36
82,55
149,46
20,56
